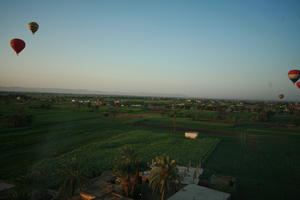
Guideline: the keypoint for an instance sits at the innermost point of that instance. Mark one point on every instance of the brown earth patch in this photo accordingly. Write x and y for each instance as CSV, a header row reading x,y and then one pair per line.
x,y
136,116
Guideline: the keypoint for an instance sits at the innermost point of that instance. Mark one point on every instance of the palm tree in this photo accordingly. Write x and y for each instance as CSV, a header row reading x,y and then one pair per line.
x,y
128,170
173,115
71,179
163,175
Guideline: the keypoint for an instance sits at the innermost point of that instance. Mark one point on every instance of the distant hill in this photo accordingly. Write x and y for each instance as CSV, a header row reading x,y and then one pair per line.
x,y
83,91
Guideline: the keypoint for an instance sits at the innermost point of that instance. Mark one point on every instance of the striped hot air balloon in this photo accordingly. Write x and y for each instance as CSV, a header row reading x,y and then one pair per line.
x,y
33,26
294,75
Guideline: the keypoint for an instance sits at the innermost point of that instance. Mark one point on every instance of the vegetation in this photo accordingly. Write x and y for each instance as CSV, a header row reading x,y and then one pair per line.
x,y
70,179
128,168
20,194
232,141
163,175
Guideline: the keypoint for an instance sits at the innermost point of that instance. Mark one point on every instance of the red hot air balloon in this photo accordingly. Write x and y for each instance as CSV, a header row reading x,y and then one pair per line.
x,y
17,44
298,84
294,75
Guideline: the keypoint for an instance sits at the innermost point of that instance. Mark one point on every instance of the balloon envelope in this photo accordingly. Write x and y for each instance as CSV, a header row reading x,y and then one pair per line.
x,y
17,45
33,26
294,75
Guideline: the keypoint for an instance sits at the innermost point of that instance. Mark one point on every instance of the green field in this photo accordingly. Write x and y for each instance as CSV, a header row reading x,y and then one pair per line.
x,y
264,159
62,133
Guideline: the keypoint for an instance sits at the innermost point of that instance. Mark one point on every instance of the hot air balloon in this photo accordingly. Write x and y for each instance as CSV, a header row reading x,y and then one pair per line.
x,y
298,84
33,26
294,75
17,44
281,96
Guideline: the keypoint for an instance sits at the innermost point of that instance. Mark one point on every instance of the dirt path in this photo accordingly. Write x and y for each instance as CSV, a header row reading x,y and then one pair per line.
x,y
135,116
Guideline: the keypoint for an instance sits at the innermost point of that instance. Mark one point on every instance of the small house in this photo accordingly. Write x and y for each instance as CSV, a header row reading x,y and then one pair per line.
x,y
117,102
191,135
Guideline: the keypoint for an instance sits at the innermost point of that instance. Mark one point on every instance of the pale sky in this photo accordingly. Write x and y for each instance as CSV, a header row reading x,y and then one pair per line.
x,y
208,48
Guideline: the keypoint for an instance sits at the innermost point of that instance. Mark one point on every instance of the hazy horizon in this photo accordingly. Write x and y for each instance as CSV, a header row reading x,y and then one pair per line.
x,y
210,49
18,89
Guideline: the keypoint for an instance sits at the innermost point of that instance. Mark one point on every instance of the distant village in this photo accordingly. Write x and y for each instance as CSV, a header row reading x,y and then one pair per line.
x,y
226,106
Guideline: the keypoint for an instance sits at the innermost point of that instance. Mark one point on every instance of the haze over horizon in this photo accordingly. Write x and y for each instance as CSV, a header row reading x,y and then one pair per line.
x,y
213,49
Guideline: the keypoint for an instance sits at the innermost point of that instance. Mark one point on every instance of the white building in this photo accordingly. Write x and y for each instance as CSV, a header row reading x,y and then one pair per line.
x,y
192,135
189,175
197,192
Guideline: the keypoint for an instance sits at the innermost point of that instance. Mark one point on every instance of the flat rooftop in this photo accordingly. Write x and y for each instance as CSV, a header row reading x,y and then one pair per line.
x,y
197,192
5,186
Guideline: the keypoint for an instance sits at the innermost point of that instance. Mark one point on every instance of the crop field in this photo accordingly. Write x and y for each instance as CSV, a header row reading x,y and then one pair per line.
x,y
264,157
62,133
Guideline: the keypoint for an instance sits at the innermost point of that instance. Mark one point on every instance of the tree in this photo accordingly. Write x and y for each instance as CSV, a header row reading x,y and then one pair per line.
x,y
173,114
96,107
78,104
234,120
46,105
70,178
89,104
265,116
128,170
163,175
